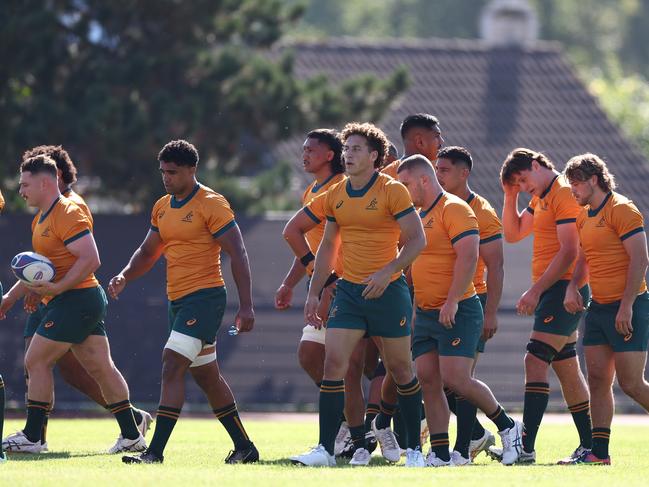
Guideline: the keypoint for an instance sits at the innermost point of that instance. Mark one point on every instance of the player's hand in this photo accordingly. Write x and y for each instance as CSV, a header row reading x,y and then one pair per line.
x,y
44,288
245,319
510,189
30,303
623,321
116,286
311,316
528,302
283,297
325,302
573,302
5,306
447,314
490,326
376,284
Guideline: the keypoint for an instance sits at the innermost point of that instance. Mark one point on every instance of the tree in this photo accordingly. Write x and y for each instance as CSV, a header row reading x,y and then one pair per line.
x,y
113,81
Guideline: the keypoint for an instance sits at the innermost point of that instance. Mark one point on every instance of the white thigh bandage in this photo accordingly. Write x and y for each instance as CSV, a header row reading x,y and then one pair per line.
x,y
185,345
207,358
312,334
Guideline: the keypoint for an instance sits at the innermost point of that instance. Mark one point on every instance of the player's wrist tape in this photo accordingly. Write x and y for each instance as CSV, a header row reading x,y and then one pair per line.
x,y
333,277
307,259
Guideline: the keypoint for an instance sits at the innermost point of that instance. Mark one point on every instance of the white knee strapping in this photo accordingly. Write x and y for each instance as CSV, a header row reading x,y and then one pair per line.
x,y
185,345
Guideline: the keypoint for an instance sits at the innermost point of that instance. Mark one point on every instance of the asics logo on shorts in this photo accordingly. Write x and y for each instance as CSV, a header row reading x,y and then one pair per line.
x,y
403,321
49,324
191,322
339,204
456,342
628,337
548,319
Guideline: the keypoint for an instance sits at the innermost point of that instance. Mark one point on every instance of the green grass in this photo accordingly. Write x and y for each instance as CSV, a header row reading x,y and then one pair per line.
x,y
195,455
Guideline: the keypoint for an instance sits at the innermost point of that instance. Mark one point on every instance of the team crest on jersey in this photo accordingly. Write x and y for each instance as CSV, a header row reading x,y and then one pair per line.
x,y
601,223
339,204
543,205
373,204
188,217
161,214
46,232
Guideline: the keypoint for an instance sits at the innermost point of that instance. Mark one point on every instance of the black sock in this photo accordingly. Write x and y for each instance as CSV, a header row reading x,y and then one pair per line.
x,y
44,428
500,419
385,415
399,429
536,401
478,430
581,416
2,410
439,445
601,437
466,413
36,412
137,416
332,402
123,412
358,436
410,404
370,413
229,418
165,421
450,398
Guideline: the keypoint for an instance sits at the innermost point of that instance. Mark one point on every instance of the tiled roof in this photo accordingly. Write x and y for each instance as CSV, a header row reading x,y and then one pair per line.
x,y
488,100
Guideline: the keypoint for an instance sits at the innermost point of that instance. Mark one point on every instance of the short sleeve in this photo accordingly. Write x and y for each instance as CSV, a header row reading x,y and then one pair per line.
x,y
155,216
327,204
73,225
218,215
460,221
2,201
391,169
565,206
627,220
315,209
532,205
399,202
490,226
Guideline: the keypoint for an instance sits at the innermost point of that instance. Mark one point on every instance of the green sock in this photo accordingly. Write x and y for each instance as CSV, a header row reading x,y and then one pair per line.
x,y
466,413
384,417
399,429
137,415
165,421
439,446
478,430
44,428
229,418
332,402
581,416
537,395
500,419
370,413
450,399
123,412
36,412
601,437
358,436
410,404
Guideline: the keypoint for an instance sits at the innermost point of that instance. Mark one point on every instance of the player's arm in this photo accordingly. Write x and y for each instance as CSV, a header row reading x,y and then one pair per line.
x,y
284,294
636,248
324,264
573,301
516,225
559,265
466,252
232,244
17,291
87,261
492,255
141,262
414,241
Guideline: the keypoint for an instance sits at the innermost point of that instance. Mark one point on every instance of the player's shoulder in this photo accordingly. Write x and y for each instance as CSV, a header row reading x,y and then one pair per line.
x,y
480,204
451,201
561,189
162,202
621,205
208,198
388,183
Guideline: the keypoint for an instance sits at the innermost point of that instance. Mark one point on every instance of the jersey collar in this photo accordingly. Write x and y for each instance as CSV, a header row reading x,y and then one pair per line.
x,y
423,213
317,187
357,193
47,213
470,198
594,212
547,190
180,203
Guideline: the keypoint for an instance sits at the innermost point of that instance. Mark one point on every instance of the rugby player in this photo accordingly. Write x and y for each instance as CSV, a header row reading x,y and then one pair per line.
x,y
3,456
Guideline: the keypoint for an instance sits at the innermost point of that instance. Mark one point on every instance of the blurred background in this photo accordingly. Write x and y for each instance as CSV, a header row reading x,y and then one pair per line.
x,y
244,80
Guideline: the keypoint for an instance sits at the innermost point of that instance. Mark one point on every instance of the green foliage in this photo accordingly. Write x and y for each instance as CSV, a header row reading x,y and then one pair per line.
x,y
114,81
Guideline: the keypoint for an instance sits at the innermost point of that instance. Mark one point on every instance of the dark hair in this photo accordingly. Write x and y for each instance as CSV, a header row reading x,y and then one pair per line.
x,y
376,139
331,139
393,151
421,120
180,152
520,160
60,157
39,165
416,161
585,166
456,154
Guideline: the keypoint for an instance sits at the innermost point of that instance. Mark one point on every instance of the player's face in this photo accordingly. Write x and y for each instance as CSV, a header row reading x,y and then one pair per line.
x,y
177,179
528,182
583,190
452,177
358,156
423,141
414,183
315,155
30,187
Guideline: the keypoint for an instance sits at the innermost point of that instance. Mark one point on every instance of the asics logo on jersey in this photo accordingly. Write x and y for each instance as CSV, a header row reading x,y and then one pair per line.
x,y
46,232
339,204
456,342
548,319
372,205
188,217
403,321
49,324
191,322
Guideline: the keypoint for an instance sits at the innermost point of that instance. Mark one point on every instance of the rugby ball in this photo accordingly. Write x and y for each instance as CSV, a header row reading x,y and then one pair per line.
x,y
32,267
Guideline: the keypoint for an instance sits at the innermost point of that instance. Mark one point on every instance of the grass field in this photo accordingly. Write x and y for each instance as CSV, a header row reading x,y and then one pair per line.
x,y
197,448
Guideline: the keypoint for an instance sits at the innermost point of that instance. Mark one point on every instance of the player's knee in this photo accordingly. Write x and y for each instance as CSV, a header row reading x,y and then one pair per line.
x,y
34,366
633,386
309,361
568,351
539,350
401,372
335,366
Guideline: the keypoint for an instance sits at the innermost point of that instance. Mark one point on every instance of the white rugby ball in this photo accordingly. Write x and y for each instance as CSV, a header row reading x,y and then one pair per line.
x,y
32,267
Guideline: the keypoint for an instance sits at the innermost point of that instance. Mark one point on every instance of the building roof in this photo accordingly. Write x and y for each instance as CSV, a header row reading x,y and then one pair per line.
x,y
489,100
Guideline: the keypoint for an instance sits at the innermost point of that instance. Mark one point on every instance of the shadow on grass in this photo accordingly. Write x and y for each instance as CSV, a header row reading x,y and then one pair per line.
x,y
60,455
341,463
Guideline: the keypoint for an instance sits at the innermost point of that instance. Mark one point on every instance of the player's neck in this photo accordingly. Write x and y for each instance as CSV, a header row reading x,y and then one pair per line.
x,y
359,181
186,192
49,198
464,192
597,199
430,197
323,174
